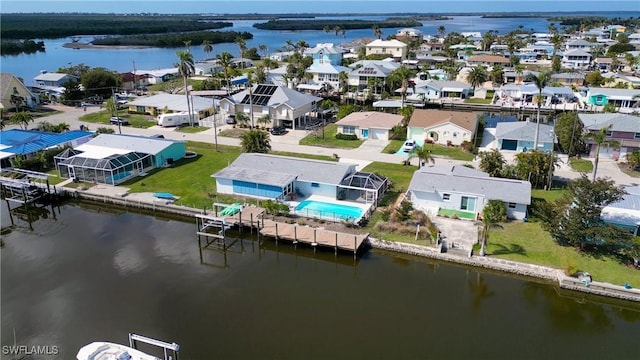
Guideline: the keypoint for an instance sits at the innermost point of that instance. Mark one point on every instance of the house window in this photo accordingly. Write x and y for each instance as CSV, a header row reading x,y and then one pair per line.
x,y
315,185
320,57
140,109
446,197
348,129
468,203
512,205
636,135
609,133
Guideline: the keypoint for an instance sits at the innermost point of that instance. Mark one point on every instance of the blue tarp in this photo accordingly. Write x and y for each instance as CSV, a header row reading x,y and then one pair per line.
x,y
239,80
29,141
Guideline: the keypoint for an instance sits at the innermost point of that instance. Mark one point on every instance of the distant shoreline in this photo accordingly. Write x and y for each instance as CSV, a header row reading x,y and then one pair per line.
x,y
86,45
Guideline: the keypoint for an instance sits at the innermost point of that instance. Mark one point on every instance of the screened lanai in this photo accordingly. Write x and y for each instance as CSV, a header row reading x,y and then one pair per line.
x,y
363,187
113,169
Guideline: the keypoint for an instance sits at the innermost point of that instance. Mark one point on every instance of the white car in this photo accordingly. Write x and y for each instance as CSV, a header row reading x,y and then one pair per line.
x,y
409,145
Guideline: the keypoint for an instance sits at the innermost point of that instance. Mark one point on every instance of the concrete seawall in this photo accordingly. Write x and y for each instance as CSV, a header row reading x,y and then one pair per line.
x,y
514,267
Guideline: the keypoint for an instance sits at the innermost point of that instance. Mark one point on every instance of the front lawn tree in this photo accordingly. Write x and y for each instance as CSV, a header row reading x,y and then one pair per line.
x,y
540,81
492,215
534,166
477,76
423,154
568,129
600,138
186,68
574,220
492,162
256,141
22,118
100,81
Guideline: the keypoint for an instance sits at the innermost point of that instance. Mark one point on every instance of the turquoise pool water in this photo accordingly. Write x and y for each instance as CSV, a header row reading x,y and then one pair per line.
x,y
400,152
311,208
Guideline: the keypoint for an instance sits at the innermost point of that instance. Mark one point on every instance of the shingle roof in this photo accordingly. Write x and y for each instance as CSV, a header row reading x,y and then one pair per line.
x,y
280,170
371,119
450,179
617,121
173,102
524,130
428,118
281,95
488,58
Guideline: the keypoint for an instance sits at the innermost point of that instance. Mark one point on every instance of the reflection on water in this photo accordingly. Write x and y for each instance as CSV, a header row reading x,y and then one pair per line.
x,y
102,275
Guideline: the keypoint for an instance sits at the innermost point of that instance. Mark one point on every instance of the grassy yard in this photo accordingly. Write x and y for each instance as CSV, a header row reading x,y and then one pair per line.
x,y
581,165
233,133
625,169
54,177
549,196
189,179
437,150
527,242
330,141
191,129
136,120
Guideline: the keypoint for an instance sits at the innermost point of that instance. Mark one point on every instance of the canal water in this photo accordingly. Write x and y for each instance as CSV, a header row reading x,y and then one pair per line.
x,y
86,273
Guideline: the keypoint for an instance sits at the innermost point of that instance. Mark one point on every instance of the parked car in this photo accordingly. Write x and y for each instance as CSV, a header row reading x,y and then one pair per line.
x,y
231,120
409,145
118,120
278,130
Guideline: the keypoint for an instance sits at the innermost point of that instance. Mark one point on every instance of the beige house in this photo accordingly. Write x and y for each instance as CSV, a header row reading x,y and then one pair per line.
x,y
442,127
488,60
394,48
369,124
13,93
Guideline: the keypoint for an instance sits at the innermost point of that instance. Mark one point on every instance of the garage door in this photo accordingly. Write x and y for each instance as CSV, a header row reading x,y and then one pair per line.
x,y
379,134
607,151
509,144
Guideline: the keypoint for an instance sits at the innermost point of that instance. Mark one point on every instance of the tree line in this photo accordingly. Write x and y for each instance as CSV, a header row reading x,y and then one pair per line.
x,y
52,26
332,24
175,39
28,46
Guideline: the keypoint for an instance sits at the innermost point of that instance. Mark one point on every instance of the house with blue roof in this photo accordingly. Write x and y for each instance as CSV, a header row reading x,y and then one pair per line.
x,y
624,213
29,142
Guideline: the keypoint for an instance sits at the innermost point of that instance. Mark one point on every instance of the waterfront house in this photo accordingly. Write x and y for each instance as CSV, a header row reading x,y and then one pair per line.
x,y
285,107
442,127
326,66
160,75
579,44
513,77
277,76
132,82
568,78
393,48
207,67
28,143
437,89
169,103
325,53
114,158
488,60
442,189
625,213
369,124
603,64
14,94
52,79
275,177
410,34
625,100
520,136
362,76
622,129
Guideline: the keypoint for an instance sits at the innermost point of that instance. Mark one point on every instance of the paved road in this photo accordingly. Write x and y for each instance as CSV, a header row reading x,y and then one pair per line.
x,y
368,152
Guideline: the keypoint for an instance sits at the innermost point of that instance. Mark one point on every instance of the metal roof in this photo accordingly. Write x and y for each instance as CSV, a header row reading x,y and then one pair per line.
x,y
450,179
618,122
173,102
129,143
273,96
524,130
273,169
29,141
625,211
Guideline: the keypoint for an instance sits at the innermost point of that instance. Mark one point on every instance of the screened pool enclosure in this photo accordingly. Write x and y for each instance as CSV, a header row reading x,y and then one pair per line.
x,y
112,170
362,187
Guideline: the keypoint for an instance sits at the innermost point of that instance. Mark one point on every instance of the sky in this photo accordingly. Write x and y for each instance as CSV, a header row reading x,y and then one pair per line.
x,y
315,6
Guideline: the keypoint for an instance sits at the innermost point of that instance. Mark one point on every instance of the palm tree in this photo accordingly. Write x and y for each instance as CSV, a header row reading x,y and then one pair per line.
x,y
600,137
255,141
326,29
477,76
519,71
540,81
343,80
423,154
45,126
336,30
376,31
242,44
264,120
225,60
633,159
402,75
492,214
61,127
22,118
441,30
264,50
242,119
187,45
186,68
207,47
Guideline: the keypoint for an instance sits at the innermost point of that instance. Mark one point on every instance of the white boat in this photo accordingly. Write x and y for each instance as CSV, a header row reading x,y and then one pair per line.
x,y
109,351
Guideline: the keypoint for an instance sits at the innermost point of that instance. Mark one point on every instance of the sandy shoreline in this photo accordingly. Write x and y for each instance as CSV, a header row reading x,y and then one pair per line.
x,y
85,45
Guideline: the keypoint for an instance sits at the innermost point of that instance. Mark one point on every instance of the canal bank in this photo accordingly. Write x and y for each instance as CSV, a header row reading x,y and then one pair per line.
x,y
120,197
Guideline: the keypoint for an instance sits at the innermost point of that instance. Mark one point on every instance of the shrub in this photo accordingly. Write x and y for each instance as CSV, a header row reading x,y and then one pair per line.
x,y
341,136
467,146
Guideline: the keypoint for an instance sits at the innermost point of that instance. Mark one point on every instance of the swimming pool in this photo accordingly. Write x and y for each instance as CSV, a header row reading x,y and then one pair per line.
x,y
312,208
402,153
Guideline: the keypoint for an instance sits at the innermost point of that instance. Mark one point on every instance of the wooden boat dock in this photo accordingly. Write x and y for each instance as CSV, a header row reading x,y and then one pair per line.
x,y
253,218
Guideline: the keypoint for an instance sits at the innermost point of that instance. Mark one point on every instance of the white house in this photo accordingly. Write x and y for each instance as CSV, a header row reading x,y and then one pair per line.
x,y
369,124
520,136
160,75
442,127
576,59
625,213
284,106
394,48
160,103
53,79
465,190
436,89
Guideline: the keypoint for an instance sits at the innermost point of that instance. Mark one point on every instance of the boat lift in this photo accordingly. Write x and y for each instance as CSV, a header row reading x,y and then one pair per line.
x,y
134,338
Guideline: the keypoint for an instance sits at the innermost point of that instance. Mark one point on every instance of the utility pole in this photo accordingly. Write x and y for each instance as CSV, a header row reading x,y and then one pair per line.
x,y
215,128
115,105
135,81
250,99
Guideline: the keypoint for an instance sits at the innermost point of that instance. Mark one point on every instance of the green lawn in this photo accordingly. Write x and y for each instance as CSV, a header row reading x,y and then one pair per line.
x,y
54,177
549,196
527,242
330,141
191,129
189,179
625,169
233,133
581,165
459,214
136,120
451,152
